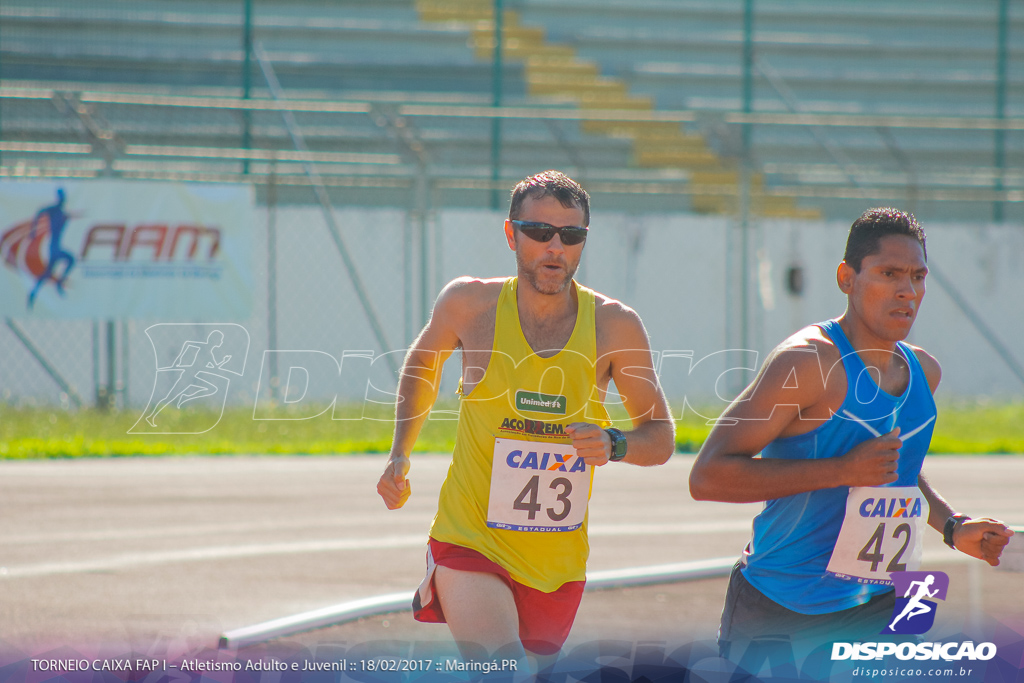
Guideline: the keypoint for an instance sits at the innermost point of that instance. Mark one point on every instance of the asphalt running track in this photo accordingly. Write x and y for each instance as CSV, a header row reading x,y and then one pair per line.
x,y
163,555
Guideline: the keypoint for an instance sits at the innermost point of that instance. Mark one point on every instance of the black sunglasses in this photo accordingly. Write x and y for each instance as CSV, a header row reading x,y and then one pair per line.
x,y
542,232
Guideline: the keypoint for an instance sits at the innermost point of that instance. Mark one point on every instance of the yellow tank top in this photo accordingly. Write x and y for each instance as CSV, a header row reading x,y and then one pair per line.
x,y
512,425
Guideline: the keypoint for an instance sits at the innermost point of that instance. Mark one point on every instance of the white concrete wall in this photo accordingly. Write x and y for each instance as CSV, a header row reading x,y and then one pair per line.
x,y
675,270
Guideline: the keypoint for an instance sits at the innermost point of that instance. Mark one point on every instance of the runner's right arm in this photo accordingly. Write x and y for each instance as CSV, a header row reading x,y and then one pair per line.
x,y
790,382
418,387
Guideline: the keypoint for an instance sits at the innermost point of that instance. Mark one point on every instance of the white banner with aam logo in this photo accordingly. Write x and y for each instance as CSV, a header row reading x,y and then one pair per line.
x,y
120,249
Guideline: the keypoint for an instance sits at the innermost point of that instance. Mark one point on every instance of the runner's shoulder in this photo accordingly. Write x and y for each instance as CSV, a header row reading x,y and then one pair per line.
x,y
930,366
809,346
468,296
613,312
801,363
614,319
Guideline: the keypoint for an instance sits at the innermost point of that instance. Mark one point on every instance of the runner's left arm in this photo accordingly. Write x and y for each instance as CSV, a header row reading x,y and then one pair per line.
x,y
631,367
983,538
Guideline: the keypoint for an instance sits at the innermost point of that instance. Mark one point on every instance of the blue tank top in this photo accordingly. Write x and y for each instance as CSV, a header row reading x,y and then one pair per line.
x,y
793,537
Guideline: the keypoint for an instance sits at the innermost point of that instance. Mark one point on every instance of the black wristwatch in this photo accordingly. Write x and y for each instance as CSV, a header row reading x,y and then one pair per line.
x,y
618,444
950,527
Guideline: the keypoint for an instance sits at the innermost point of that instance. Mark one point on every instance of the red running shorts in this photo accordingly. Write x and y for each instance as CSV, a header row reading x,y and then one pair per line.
x,y
544,618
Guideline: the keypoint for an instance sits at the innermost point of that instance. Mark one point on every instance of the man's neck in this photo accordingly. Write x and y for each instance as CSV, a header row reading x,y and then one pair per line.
x,y
541,307
872,349
547,320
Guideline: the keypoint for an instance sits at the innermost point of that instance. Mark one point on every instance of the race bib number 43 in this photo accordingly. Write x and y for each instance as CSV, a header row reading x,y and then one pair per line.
x,y
537,487
881,533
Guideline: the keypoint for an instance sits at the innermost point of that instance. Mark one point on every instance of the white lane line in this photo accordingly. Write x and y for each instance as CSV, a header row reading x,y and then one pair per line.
x,y
207,554
212,553
205,530
648,529
208,530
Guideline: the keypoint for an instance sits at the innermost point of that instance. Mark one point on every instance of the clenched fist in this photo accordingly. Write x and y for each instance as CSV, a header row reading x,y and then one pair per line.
x,y
591,442
872,462
393,486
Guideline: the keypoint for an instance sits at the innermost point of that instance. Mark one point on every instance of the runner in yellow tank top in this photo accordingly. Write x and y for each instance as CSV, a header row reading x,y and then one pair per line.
x,y
525,399
508,547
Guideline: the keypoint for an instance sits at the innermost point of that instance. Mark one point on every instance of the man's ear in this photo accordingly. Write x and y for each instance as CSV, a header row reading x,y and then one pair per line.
x,y
845,275
510,234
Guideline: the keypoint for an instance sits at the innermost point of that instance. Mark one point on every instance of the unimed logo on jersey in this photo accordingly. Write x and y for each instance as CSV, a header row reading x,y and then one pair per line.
x,y
540,403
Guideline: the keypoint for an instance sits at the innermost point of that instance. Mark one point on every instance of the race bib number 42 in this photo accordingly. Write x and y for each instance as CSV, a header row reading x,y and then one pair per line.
x,y
537,487
881,533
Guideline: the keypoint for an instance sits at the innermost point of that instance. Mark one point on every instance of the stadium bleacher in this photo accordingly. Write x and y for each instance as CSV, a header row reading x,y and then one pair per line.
x,y
869,58
914,59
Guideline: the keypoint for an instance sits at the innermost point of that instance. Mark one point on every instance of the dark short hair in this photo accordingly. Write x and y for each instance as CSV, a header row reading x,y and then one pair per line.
x,y
867,232
550,184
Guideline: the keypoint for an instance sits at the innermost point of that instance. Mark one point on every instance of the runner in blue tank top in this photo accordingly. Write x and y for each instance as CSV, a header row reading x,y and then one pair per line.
x,y
842,415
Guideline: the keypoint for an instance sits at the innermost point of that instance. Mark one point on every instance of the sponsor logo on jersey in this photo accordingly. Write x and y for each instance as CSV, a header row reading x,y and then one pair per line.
x,y
890,508
556,462
520,426
536,402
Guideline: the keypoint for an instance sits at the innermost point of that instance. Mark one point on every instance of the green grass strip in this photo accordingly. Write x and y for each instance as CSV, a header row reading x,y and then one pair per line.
x,y
28,433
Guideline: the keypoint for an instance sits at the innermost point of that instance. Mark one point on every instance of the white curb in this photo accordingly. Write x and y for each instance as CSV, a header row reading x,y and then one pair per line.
x,y
400,602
